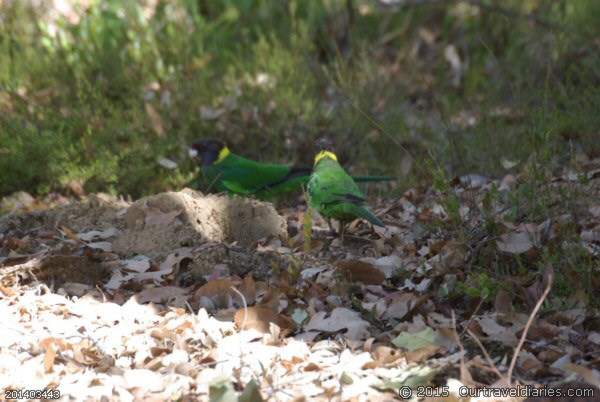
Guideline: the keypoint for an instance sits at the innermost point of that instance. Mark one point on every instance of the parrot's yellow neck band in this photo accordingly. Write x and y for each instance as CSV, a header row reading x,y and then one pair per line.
x,y
325,154
223,153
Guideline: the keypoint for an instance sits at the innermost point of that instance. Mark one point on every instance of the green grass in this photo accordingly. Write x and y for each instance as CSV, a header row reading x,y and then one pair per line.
x,y
100,101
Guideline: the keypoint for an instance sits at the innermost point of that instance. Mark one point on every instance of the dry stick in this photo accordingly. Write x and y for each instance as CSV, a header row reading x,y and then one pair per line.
x,y
245,307
189,306
528,325
489,360
102,293
239,379
472,316
463,366
508,377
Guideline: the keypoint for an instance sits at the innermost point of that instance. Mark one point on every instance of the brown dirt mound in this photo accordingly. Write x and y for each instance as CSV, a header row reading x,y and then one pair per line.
x,y
70,240
160,223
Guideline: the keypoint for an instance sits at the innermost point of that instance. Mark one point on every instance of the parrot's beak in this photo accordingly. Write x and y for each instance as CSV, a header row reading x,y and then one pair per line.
x,y
192,153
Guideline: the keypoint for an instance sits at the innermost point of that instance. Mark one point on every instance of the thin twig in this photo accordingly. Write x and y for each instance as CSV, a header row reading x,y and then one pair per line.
x,y
242,326
468,324
550,277
244,304
489,360
189,306
371,120
463,366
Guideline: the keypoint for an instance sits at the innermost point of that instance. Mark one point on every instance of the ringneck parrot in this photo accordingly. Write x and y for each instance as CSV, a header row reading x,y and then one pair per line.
x,y
226,171
334,194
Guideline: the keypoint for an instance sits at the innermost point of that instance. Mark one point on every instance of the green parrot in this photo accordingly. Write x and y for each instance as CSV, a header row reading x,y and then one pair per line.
x,y
334,194
226,171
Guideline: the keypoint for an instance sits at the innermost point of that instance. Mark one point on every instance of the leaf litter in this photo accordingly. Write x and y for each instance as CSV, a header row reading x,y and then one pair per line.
x,y
206,318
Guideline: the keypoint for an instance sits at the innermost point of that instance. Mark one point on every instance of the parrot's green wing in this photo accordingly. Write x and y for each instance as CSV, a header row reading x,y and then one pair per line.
x,y
334,194
372,179
238,175
242,176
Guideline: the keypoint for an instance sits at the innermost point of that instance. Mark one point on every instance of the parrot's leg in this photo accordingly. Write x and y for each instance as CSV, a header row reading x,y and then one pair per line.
x,y
342,230
331,229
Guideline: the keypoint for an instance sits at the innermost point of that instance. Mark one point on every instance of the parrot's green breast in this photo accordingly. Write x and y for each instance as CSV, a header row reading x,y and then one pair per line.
x,y
334,194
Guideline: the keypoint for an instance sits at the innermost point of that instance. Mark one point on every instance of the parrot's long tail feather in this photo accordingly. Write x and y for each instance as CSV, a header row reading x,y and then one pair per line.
x,y
368,215
367,179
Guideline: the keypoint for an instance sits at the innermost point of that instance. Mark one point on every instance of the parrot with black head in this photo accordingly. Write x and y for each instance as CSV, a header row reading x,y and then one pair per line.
x,y
227,172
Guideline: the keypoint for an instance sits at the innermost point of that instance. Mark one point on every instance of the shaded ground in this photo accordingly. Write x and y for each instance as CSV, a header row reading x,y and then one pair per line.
x,y
422,302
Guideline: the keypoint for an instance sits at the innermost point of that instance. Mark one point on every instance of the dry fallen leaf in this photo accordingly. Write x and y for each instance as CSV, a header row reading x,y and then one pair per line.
x,y
51,345
503,302
528,362
400,305
259,318
589,375
98,234
360,271
497,332
515,242
217,293
339,319
6,291
383,356
162,294
101,245
68,232
421,354
214,288
594,337
50,355
312,367
389,265
415,340
131,269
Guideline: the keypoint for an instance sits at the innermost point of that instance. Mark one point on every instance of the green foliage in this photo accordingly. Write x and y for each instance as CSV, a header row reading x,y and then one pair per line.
x,y
448,198
479,286
100,100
